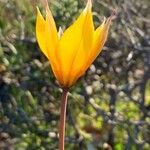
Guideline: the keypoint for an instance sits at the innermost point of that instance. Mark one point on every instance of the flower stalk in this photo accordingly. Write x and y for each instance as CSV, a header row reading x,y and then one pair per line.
x,y
63,119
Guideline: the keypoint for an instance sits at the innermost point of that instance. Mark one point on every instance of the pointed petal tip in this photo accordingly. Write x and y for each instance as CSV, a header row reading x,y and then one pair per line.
x,y
44,2
47,10
89,2
112,16
37,9
113,13
38,12
88,5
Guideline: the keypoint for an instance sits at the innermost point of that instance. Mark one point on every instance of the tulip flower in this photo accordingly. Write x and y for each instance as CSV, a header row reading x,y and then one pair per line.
x,y
70,53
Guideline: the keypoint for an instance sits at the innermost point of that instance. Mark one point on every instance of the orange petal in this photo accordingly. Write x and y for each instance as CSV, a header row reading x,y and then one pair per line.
x,y
40,32
51,35
75,44
100,36
51,38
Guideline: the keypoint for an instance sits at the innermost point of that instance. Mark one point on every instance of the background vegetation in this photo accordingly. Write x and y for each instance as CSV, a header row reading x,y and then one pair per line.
x,y
109,108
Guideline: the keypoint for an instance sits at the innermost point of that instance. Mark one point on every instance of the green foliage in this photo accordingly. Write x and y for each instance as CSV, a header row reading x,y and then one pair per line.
x,y
108,107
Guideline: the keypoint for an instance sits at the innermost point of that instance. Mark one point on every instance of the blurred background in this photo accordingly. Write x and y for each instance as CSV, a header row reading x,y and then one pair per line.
x,y
108,108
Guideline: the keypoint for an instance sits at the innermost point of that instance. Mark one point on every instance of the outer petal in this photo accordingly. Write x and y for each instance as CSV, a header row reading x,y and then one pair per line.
x,y
51,35
47,38
51,38
40,32
100,36
75,45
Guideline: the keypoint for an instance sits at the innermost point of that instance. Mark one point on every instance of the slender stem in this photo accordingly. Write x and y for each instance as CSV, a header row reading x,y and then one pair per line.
x,y
63,119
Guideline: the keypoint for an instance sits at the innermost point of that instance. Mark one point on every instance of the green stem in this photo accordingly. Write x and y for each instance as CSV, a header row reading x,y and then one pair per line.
x,y
63,119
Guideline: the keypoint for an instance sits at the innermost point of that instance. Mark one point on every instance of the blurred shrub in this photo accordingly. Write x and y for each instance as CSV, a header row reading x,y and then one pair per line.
x,y
108,108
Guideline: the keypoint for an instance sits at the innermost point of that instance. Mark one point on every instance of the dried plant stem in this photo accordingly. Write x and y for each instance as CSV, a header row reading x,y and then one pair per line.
x,y
63,119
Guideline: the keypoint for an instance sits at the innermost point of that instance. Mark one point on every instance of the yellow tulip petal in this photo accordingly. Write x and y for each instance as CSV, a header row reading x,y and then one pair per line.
x,y
51,31
51,38
40,32
100,36
75,44
47,38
